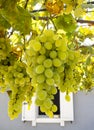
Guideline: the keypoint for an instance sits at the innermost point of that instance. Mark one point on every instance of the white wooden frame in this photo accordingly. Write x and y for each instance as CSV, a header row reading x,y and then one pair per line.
x,y
66,112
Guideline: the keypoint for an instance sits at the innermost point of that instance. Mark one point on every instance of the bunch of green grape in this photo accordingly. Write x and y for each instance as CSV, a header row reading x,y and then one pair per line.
x,y
47,57
5,48
72,77
3,72
19,83
4,65
87,83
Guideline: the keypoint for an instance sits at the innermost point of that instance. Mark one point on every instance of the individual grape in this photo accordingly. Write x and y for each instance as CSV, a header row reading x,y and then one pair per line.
x,y
50,114
54,108
47,87
71,55
62,55
53,54
48,73
49,33
38,102
42,95
48,103
53,90
60,69
57,78
48,45
63,47
43,50
36,45
47,63
67,97
43,38
40,78
57,62
43,109
50,81
39,69
40,59
58,43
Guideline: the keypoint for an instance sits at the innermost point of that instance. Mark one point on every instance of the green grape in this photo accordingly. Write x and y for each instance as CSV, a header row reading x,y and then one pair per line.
x,y
53,54
47,103
57,62
62,87
54,108
60,69
48,45
53,90
40,59
71,55
43,109
40,86
36,45
39,69
58,43
42,94
49,33
38,102
43,38
40,78
42,50
67,97
47,63
56,78
50,81
48,73
47,87
63,47
50,114
62,55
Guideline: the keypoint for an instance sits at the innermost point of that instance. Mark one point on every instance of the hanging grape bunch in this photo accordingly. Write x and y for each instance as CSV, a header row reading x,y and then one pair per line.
x,y
50,64
19,84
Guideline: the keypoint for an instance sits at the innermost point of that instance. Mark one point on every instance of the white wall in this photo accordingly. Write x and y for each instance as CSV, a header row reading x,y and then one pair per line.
x,y
83,114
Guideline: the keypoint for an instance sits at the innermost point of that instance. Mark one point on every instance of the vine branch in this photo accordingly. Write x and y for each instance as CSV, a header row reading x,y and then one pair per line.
x,y
85,21
26,4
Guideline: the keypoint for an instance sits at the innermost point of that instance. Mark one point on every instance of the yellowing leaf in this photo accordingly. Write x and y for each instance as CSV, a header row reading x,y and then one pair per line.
x,y
68,9
79,11
54,7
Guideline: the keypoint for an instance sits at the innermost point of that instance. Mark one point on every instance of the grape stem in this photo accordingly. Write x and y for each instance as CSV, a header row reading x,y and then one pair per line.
x,y
25,6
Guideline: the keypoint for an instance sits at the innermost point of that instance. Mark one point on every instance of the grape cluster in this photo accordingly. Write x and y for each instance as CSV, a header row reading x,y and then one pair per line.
x,y
3,72
50,64
19,83
87,83
4,65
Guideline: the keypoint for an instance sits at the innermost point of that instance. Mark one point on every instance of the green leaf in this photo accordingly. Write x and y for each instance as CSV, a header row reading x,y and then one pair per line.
x,y
88,60
65,22
3,22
